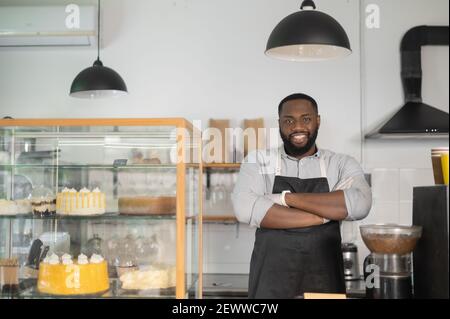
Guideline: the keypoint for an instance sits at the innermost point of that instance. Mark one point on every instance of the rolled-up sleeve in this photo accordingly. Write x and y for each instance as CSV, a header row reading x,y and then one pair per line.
x,y
358,199
250,205
357,192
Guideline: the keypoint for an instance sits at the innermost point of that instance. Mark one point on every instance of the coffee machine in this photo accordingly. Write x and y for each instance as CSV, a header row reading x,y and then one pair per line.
x,y
388,269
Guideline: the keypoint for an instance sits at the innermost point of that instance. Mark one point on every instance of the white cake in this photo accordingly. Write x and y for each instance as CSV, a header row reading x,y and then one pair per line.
x,y
23,206
84,202
154,277
8,207
11,207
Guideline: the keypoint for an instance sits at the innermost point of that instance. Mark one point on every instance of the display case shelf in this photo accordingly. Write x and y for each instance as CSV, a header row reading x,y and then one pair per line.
x,y
219,219
93,166
107,216
27,290
222,166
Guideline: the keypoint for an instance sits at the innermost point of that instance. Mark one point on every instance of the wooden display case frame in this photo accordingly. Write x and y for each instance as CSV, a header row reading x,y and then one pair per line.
x,y
181,167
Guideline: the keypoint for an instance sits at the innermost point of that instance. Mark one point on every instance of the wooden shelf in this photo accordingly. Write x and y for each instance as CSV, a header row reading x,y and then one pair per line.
x,y
220,218
222,165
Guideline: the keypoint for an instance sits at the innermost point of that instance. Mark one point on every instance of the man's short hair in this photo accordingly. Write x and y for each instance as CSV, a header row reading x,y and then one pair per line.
x,y
298,96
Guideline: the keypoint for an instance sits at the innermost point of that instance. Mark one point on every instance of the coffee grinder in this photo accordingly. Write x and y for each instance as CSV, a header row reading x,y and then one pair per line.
x,y
388,270
351,265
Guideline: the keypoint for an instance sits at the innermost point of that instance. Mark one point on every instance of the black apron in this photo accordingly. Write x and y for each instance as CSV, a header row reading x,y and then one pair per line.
x,y
287,263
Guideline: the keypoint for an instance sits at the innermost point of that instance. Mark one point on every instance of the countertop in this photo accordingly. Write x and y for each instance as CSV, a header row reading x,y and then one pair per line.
x,y
226,286
229,286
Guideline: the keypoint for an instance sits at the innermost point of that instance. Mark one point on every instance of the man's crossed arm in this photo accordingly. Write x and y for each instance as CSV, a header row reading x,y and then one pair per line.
x,y
305,210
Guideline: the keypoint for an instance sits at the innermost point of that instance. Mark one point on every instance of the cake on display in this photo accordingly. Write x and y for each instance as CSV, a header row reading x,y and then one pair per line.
x,y
9,270
7,207
44,207
43,202
154,277
146,205
64,276
23,206
15,207
84,202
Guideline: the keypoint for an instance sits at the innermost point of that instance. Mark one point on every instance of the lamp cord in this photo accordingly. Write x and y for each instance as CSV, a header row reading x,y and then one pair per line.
x,y
98,31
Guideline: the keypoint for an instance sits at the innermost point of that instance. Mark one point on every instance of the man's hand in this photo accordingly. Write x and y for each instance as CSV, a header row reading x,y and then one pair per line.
x,y
278,199
275,198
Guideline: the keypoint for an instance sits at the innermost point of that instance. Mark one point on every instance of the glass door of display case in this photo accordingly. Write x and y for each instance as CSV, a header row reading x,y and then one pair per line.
x,y
117,198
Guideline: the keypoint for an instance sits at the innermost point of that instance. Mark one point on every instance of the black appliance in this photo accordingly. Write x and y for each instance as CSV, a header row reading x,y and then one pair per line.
x,y
430,210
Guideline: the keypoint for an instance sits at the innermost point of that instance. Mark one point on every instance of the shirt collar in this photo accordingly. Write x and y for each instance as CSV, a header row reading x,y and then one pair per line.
x,y
283,153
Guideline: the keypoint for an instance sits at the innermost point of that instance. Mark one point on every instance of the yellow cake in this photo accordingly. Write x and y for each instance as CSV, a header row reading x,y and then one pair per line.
x,y
67,278
84,202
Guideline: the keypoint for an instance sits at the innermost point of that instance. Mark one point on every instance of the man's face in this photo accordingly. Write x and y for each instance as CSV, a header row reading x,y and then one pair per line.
x,y
299,126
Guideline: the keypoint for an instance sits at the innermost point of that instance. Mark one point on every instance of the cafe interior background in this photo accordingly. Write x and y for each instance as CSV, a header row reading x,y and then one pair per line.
x,y
202,59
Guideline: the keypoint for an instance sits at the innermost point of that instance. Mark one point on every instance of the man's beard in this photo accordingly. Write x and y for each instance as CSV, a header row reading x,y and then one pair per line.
x,y
293,150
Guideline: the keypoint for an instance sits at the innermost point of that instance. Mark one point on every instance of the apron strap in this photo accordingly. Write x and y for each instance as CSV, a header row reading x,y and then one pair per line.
x,y
278,165
323,167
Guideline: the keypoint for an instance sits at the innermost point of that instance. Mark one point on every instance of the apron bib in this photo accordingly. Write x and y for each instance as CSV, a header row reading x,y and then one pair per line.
x,y
286,263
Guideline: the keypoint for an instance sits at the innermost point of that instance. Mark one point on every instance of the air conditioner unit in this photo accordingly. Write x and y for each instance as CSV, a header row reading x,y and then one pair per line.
x,y
48,25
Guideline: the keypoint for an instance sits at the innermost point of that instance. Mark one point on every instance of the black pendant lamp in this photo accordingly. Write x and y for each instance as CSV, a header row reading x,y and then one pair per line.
x,y
98,81
308,35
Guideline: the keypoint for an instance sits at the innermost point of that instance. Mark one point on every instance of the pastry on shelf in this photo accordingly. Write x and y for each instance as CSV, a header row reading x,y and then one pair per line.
x,y
83,203
23,206
7,207
147,205
137,157
9,270
43,202
67,277
15,207
124,269
153,277
146,161
44,207
151,161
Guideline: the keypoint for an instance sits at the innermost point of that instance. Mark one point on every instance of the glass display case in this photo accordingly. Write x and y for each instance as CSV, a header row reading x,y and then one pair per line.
x,y
100,208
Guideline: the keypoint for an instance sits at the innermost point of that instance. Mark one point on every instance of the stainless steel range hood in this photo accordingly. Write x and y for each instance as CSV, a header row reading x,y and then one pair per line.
x,y
415,118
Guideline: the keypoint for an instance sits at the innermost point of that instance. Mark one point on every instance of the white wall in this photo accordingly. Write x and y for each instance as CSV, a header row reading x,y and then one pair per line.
x,y
204,58
191,58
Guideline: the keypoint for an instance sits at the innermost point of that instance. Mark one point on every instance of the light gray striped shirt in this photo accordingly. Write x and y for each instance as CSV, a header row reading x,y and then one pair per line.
x,y
257,175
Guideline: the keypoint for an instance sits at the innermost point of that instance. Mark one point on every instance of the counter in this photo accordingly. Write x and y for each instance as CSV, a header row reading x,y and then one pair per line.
x,y
235,286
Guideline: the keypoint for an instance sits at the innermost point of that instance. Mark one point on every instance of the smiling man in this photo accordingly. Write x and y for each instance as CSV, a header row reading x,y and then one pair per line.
x,y
296,197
